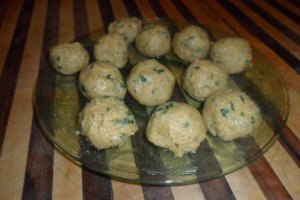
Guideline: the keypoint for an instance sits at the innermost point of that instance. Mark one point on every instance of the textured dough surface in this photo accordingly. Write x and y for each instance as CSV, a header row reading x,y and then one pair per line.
x,y
230,114
102,79
150,83
191,43
107,122
69,58
127,27
111,48
232,54
202,78
176,126
153,41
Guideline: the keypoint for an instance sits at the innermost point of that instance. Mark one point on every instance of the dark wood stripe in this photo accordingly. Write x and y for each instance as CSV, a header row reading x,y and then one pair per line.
x,y
106,12
158,9
157,193
80,18
3,7
251,27
273,21
295,2
96,186
267,180
10,71
39,168
132,8
184,10
217,189
291,144
285,11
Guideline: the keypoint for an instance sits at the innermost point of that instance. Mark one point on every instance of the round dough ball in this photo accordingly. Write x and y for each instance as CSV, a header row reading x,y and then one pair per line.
x,y
153,41
107,122
202,78
230,114
112,48
69,58
150,83
176,126
127,27
101,79
232,54
191,43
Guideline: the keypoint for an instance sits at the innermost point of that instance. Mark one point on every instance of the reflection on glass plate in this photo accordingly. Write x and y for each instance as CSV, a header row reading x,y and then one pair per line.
x,y
58,102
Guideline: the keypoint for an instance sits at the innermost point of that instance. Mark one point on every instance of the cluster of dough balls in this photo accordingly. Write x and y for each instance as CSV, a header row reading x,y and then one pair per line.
x,y
69,58
230,114
107,122
150,83
101,79
176,126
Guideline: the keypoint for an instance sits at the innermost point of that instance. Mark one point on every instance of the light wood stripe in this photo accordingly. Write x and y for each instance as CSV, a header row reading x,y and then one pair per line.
x,y
293,121
171,10
67,181
187,192
94,15
119,9
14,153
8,27
145,9
243,185
289,6
273,32
285,168
279,16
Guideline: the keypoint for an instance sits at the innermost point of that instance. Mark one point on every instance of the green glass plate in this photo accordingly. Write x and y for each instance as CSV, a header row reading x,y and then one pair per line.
x,y
58,102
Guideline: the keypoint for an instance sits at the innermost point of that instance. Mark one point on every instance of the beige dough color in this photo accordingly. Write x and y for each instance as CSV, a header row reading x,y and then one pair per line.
x,y
112,48
232,54
230,114
202,78
176,126
191,43
107,122
150,83
127,27
69,58
153,41
101,79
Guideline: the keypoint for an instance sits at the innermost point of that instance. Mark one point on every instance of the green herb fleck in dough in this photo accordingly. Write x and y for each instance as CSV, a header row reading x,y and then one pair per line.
x,y
242,98
159,71
108,76
143,79
224,112
128,113
242,114
123,121
211,76
83,89
107,109
232,106
58,58
252,120
196,67
122,136
123,85
187,124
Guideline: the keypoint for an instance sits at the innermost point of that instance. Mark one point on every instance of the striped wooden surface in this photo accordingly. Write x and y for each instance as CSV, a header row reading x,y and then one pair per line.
x,y
30,168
